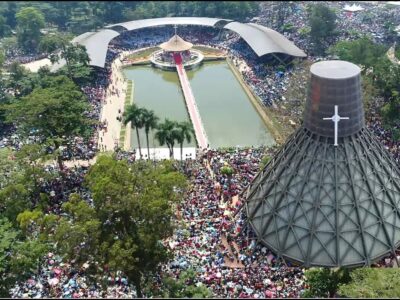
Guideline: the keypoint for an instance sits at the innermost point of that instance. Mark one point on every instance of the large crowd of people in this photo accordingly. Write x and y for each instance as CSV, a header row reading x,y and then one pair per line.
x,y
370,21
211,237
218,245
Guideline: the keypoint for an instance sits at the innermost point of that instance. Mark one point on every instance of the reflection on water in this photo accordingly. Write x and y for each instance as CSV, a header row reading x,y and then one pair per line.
x,y
159,91
228,115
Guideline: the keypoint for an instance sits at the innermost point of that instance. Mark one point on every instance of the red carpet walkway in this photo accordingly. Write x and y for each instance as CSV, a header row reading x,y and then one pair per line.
x,y
201,136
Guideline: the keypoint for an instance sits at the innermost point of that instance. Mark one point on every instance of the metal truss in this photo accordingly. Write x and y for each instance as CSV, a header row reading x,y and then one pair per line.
x,y
315,204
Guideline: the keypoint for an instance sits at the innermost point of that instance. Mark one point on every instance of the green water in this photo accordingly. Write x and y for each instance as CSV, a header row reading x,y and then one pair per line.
x,y
159,91
227,114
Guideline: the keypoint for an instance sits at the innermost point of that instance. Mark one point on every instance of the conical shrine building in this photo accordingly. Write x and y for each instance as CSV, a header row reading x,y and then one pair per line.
x,y
330,197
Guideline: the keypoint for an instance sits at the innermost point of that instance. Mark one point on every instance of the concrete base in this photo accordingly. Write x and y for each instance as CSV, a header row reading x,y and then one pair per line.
x,y
171,66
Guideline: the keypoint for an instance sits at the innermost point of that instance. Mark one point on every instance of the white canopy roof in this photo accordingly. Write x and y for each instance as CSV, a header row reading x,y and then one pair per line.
x,y
353,8
261,39
176,43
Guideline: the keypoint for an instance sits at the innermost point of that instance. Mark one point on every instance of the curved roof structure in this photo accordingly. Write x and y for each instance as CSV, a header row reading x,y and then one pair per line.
x,y
321,204
176,43
264,40
286,46
138,24
261,39
96,44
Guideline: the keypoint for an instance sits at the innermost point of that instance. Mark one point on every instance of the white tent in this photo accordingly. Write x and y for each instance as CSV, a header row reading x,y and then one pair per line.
x,y
353,8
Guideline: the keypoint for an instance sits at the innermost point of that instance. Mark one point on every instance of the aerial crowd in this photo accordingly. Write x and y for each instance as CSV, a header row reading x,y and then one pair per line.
x,y
212,237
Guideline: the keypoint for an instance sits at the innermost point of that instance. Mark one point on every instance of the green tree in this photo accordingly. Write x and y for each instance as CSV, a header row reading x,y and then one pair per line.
x,y
8,167
81,227
18,257
132,214
227,171
386,77
75,56
391,111
322,24
150,121
31,158
281,11
27,255
8,236
324,282
134,114
167,134
21,81
10,13
14,198
29,22
15,186
362,51
140,204
52,42
373,283
55,112
77,62
4,28
184,286
184,132
134,207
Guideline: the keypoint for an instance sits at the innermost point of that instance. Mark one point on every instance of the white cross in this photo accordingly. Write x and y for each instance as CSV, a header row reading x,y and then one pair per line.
x,y
336,118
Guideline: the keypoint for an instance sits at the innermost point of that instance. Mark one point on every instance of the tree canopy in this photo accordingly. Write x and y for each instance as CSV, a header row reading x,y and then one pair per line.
x,y
362,51
79,17
322,23
29,22
54,111
324,282
124,228
183,287
372,283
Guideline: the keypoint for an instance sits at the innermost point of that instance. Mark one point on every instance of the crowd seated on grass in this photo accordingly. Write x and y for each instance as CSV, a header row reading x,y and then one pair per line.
x,y
209,237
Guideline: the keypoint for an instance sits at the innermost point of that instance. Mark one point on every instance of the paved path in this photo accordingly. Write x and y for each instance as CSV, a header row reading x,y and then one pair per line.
x,y
194,114
114,102
34,66
391,54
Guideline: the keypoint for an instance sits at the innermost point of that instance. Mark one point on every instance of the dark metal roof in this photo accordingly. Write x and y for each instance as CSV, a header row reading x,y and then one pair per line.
x,y
320,205
317,204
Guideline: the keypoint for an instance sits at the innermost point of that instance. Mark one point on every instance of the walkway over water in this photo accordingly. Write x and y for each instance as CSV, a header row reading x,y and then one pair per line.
x,y
194,114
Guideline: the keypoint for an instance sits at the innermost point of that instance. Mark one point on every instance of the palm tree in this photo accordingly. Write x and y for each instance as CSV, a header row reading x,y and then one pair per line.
x,y
167,134
134,114
185,131
150,121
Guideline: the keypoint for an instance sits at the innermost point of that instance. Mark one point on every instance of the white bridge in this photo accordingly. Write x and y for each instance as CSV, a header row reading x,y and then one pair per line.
x,y
194,114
